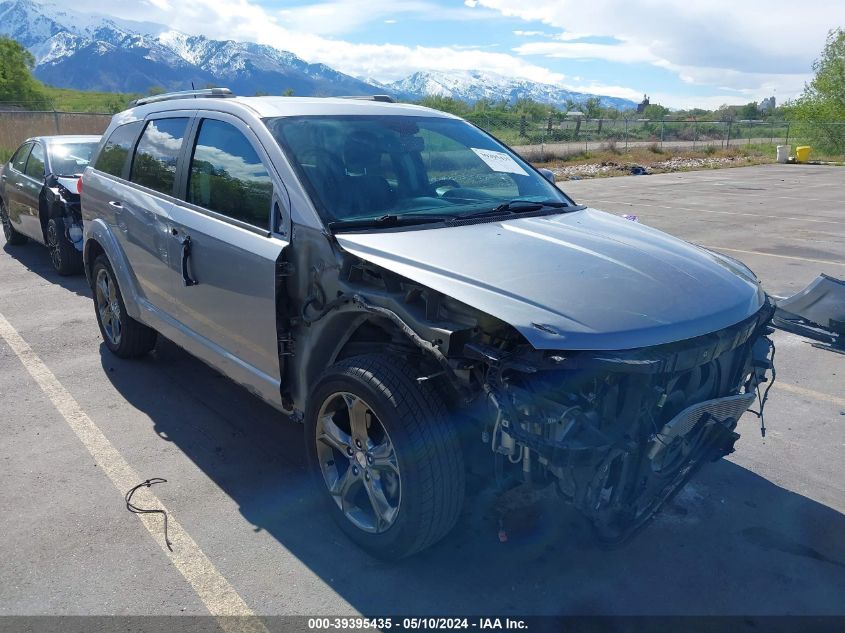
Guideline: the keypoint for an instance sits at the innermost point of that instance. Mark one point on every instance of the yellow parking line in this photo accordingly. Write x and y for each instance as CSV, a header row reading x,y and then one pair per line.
x,y
809,393
219,597
827,262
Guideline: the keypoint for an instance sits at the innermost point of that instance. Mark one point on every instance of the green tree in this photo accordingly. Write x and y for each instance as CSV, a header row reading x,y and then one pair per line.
x,y
749,111
823,99
655,112
17,85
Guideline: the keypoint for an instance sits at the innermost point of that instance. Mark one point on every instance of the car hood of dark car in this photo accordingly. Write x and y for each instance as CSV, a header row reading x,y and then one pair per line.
x,y
584,280
68,182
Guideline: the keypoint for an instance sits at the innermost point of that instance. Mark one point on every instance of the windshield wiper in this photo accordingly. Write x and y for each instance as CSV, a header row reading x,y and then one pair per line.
x,y
517,206
386,221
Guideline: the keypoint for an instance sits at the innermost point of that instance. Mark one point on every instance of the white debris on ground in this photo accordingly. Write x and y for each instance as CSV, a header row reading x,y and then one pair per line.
x,y
676,163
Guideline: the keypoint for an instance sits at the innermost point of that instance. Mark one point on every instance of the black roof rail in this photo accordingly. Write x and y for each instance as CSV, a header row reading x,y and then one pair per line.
x,y
382,98
220,93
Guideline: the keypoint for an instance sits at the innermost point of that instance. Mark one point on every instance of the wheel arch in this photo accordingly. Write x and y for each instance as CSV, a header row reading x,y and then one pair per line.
x,y
99,240
338,336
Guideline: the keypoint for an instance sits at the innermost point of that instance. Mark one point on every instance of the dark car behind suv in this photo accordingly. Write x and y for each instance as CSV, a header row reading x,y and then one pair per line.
x,y
39,200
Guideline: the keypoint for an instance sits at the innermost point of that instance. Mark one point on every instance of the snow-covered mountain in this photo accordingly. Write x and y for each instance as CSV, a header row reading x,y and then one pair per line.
x,y
472,86
95,52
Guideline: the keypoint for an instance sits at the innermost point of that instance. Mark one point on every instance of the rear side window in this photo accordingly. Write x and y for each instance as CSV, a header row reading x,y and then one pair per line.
x,y
154,164
227,175
113,157
19,159
35,164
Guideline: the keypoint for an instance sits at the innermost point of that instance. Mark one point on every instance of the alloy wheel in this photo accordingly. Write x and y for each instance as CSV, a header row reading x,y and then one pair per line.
x,y
7,223
108,307
358,462
54,246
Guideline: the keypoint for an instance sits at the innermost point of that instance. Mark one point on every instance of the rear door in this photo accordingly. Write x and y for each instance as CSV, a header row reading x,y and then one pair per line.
x,y
142,207
13,178
226,297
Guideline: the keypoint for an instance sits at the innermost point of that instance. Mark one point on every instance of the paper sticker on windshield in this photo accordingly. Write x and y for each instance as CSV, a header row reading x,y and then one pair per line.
x,y
499,161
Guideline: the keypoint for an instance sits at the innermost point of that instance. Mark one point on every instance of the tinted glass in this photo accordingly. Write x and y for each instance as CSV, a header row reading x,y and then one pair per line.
x,y
35,164
113,157
228,177
19,159
154,164
366,167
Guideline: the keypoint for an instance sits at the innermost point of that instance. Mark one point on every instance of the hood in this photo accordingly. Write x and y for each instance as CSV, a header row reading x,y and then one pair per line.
x,y
585,280
68,183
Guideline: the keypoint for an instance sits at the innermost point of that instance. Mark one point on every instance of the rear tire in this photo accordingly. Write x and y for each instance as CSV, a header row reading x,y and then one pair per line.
x,y
63,254
12,236
393,483
124,336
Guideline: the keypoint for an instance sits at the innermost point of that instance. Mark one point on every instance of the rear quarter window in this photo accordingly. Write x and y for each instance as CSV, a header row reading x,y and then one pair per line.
x,y
112,158
154,163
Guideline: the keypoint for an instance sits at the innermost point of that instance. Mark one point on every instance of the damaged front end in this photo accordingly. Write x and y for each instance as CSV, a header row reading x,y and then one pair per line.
x,y
63,202
620,432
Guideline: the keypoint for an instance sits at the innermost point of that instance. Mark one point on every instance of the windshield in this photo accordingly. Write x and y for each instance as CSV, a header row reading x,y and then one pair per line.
x,y
71,159
369,167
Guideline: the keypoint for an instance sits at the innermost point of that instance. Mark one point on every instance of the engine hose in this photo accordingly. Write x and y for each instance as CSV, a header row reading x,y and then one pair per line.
x,y
324,309
420,342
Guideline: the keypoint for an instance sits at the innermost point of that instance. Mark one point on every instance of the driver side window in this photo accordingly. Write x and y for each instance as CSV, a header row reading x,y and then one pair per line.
x,y
35,164
227,175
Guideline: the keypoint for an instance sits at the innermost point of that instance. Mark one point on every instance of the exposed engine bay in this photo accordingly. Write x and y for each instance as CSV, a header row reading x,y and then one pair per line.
x,y
62,202
620,433
616,432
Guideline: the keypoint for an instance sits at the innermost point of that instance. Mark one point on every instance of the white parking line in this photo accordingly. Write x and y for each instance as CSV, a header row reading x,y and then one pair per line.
x,y
828,262
717,212
219,597
809,393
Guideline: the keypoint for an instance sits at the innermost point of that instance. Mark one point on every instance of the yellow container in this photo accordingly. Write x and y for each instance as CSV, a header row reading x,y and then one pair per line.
x,y
802,153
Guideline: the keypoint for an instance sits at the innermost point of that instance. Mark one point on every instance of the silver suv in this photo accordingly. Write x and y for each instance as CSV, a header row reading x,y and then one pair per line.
x,y
425,301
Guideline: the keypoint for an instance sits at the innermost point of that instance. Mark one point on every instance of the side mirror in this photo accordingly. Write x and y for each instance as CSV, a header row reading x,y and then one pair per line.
x,y
548,174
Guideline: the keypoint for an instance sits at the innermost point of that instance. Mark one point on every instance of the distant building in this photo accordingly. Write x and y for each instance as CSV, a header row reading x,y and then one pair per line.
x,y
643,105
767,105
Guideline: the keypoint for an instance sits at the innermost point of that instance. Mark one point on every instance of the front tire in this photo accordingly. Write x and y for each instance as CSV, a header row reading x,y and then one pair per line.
x,y
63,254
384,455
124,336
12,236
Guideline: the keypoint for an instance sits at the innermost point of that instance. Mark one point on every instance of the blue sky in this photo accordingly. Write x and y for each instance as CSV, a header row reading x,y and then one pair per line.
x,y
681,53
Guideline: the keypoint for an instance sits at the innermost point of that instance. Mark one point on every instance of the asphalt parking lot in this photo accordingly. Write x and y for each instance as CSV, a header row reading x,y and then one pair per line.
x,y
762,532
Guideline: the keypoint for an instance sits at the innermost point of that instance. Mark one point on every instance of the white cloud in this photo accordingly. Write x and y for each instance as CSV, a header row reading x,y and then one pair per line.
x,y
758,44
243,20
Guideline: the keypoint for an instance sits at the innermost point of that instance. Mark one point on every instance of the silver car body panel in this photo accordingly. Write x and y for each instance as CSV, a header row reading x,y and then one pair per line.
x,y
584,280
228,318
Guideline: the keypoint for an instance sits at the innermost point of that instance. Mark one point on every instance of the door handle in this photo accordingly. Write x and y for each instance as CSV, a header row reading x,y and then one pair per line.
x,y
115,204
19,185
186,255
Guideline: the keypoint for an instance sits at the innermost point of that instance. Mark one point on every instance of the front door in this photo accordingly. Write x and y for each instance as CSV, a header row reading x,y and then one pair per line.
x,y
13,184
30,188
226,298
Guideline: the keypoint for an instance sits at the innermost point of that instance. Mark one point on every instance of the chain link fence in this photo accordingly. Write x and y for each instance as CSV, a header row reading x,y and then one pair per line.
x,y
556,137
560,135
